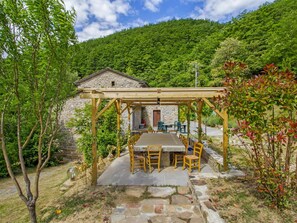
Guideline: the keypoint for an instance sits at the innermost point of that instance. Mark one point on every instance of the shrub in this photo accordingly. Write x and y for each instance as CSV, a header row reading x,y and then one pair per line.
x,y
106,131
265,107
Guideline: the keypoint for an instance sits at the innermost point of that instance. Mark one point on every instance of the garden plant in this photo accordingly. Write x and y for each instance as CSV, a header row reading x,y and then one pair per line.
x,y
266,109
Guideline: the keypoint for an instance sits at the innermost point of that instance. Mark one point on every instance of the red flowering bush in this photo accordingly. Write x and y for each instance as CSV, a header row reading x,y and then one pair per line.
x,y
266,109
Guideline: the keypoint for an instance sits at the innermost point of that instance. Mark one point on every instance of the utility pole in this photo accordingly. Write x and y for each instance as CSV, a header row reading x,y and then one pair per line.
x,y
196,74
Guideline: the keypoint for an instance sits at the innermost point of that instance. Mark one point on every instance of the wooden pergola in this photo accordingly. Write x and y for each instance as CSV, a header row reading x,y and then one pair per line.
x,y
126,98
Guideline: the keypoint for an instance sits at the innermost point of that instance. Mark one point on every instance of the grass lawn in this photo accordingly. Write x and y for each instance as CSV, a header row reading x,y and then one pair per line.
x,y
80,203
238,200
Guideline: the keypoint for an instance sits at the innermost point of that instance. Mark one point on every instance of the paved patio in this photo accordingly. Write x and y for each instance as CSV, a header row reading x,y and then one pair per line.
x,y
118,173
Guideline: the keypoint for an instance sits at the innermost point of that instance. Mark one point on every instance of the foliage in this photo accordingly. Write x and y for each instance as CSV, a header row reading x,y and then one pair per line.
x,y
266,109
35,40
106,131
158,54
213,120
230,50
164,54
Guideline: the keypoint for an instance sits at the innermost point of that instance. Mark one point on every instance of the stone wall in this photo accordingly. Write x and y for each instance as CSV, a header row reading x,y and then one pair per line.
x,y
169,114
103,80
107,79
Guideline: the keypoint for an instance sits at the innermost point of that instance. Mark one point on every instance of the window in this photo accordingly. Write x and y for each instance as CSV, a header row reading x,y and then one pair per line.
x,y
113,83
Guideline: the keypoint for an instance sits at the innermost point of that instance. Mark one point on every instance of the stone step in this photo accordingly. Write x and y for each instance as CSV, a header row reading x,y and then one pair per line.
x,y
65,154
70,149
161,211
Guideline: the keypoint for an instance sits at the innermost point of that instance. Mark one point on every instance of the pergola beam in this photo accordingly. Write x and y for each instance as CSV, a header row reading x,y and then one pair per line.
x,y
151,93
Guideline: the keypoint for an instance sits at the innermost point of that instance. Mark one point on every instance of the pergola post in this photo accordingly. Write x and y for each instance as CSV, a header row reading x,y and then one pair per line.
x,y
118,108
129,121
225,139
224,115
95,106
188,120
199,119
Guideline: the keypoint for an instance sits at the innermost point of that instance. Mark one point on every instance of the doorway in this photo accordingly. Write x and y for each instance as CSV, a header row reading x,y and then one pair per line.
x,y
156,117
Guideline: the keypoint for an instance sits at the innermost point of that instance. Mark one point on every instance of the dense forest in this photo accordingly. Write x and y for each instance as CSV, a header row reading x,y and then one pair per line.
x,y
165,54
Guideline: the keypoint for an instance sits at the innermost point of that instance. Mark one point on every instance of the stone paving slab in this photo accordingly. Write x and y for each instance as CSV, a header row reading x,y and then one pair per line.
x,y
175,208
157,213
135,191
161,191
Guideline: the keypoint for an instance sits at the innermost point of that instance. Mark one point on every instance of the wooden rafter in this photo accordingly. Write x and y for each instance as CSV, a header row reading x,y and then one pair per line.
x,y
107,106
213,107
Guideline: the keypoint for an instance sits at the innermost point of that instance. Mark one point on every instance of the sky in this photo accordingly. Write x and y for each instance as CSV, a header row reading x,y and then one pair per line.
x,y
99,18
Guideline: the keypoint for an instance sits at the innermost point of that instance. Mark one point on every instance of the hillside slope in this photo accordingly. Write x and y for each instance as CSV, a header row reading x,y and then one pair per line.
x,y
164,54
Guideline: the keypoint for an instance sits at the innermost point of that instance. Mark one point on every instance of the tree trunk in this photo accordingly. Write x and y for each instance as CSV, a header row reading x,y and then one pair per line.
x,y
32,211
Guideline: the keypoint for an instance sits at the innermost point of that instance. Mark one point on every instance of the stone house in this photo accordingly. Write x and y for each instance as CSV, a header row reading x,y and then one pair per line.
x,y
109,78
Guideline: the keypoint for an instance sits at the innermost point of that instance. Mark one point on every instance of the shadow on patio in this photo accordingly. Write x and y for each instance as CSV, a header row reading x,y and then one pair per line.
x,y
118,173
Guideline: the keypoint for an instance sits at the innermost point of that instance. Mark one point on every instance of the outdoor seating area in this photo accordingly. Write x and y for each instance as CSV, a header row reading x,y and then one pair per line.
x,y
175,127
161,150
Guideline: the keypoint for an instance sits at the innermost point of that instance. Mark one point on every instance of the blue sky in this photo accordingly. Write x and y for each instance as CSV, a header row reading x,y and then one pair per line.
x,y
98,18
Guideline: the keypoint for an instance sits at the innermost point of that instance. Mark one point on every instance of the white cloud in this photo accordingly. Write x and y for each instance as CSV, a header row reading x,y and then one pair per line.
x,y
167,18
97,18
222,9
94,30
152,5
137,23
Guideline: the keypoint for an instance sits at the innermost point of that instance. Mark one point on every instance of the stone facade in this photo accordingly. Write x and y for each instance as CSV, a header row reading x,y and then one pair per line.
x,y
109,78
169,114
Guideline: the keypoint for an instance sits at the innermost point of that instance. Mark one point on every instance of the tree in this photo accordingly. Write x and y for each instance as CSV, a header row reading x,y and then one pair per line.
x,y
230,50
35,41
266,109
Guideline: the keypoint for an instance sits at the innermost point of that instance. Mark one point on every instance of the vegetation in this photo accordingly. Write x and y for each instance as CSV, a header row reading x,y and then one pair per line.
x,y
165,54
106,131
35,40
238,201
265,107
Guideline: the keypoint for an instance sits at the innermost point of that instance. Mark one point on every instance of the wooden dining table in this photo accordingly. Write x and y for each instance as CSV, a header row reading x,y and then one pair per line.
x,y
170,143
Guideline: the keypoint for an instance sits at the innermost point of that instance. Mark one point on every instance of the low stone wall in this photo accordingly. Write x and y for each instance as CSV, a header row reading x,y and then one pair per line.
x,y
214,159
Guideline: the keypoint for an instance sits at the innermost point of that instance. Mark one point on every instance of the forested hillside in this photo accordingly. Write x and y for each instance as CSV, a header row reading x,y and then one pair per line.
x,y
164,54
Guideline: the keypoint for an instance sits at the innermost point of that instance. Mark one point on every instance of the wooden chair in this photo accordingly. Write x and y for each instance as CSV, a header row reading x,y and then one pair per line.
x,y
178,157
193,161
136,161
133,139
154,156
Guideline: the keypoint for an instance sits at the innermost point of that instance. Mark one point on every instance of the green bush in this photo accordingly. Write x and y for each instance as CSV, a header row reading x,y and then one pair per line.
x,y
106,131
30,152
213,120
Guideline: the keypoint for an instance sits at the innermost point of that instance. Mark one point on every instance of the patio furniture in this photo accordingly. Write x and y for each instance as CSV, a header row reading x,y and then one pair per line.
x,y
133,139
154,156
180,127
178,157
161,126
193,161
170,143
136,161
166,126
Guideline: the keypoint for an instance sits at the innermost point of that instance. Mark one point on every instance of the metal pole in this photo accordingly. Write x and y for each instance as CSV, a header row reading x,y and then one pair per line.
x,y
196,75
